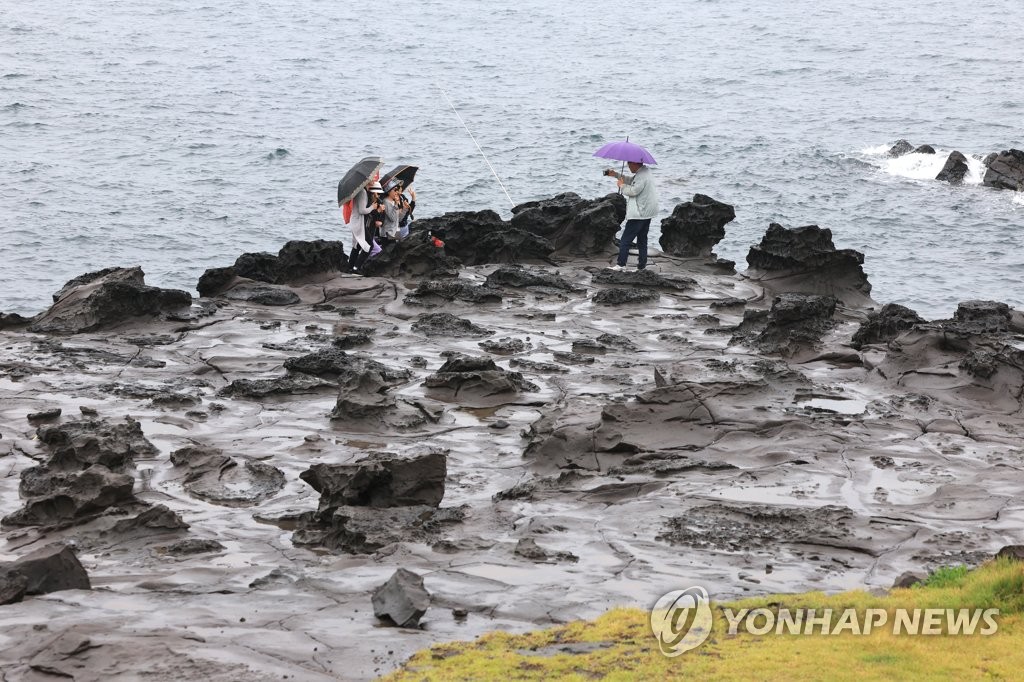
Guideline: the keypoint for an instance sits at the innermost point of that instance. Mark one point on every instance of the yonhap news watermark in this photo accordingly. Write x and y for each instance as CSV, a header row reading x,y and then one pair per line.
x,y
682,620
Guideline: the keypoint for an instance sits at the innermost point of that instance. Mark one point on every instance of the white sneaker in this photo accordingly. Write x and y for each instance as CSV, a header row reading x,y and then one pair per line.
x,y
617,268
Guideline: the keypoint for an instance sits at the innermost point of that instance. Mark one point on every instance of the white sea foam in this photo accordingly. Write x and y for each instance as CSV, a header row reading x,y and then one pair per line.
x,y
1018,198
926,166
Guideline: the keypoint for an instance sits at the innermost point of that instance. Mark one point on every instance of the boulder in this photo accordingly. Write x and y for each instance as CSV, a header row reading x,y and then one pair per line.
x,y
104,299
65,498
380,480
574,226
954,170
520,277
446,324
619,296
1011,552
977,318
1006,171
900,148
12,586
414,256
885,325
481,237
924,149
796,322
365,530
158,517
75,445
50,569
402,600
296,262
805,260
433,292
347,369
908,579
475,379
695,227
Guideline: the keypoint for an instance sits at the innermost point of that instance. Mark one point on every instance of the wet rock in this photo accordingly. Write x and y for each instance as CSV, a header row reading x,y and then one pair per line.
x,y
573,358
415,256
190,546
908,579
480,237
215,280
1005,171
12,586
61,498
14,320
660,464
885,325
538,367
643,278
529,549
157,517
615,342
446,324
977,318
78,444
954,170
574,226
44,415
805,260
291,384
277,577
217,478
625,296
795,322
521,277
433,292
402,600
924,149
352,337
506,346
695,227
103,299
263,294
50,569
1012,552
365,530
466,378
900,148
346,369
380,480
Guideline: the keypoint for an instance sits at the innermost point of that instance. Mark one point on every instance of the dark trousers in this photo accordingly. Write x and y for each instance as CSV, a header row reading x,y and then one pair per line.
x,y
635,229
357,257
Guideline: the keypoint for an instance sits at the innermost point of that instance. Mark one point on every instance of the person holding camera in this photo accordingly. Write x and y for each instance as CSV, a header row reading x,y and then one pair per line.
x,y
368,216
394,210
641,207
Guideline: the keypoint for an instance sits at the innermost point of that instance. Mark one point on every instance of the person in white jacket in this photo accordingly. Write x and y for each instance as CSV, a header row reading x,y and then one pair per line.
x,y
641,207
363,223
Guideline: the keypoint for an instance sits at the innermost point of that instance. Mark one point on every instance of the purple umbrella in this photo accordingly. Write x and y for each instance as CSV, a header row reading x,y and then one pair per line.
x,y
625,151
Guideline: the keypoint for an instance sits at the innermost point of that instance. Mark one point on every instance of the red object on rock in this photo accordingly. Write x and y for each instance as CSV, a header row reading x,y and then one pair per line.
x,y
437,242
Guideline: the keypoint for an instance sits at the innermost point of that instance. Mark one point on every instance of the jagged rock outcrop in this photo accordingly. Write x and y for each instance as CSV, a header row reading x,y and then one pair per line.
x,y
885,325
295,262
521,277
49,569
402,600
446,324
695,227
415,256
574,226
480,237
900,148
104,299
381,480
804,260
796,322
954,169
924,149
472,380
436,292
1005,170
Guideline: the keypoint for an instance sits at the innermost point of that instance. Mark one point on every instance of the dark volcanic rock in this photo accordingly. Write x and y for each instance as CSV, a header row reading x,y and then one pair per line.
x,y
106,298
470,377
804,259
885,325
263,294
642,278
414,256
1006,171
521,277
954,170
452,290
402,600
49,569
506,346
480,237
14,320
795,322
380,480
446,324
364,530
295,262
290,384
346,369
529,549
924,149
695,227
975,318
574,226
157,517
908,579
79,444
900,148
621,296
213,281
190,546
64,498
44,415
12,586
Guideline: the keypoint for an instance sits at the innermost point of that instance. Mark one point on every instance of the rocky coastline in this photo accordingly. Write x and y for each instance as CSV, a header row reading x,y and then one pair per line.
x,y
308,474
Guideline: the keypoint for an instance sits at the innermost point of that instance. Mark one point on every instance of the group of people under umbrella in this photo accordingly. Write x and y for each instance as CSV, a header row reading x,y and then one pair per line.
x,y
377,208
378,211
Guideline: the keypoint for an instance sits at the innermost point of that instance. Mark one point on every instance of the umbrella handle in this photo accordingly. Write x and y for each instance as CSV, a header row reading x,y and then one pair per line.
x,y
623,168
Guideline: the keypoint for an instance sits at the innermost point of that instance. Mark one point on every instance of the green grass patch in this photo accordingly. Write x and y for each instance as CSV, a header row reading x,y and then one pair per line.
x,y
628,650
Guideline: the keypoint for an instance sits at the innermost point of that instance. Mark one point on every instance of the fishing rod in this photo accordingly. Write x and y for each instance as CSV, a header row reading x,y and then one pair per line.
x,y
475,142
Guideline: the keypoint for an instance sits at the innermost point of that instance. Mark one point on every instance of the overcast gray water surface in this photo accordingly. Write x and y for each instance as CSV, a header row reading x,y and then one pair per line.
x,y
178,135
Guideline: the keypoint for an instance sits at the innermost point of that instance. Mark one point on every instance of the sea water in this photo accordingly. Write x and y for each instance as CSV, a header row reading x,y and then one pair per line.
x,y
178,135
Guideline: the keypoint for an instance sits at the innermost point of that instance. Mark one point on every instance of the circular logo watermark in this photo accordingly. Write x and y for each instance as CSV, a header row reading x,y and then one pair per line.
x,y
681,620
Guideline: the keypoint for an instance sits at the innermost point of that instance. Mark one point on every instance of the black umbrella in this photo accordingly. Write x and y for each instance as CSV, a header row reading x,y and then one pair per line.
x,y
357,178
405,174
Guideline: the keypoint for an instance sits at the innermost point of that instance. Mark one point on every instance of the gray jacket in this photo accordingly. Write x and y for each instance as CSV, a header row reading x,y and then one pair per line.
x,y
641,195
